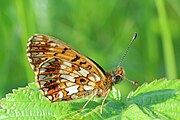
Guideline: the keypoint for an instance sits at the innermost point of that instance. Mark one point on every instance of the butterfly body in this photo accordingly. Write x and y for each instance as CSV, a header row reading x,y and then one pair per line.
x,y
63,73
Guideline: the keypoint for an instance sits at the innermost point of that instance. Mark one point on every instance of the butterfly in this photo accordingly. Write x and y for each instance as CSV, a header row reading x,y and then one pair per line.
x,y
64,74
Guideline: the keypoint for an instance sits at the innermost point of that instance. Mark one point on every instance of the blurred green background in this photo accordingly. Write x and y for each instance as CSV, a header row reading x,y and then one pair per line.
x,y
100,29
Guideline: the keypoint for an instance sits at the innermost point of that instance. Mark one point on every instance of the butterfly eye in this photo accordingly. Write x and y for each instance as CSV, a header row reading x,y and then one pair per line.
x,y
118,75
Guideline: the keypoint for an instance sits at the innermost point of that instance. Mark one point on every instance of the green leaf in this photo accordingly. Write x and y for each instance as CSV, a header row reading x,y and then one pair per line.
x,y
158,100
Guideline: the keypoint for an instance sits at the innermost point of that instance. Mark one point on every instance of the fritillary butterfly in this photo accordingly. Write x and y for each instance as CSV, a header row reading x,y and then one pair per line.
x,y
63,73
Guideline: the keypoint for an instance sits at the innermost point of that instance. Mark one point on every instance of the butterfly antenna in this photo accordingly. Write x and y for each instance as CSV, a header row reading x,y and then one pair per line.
x,y
124,55
133,82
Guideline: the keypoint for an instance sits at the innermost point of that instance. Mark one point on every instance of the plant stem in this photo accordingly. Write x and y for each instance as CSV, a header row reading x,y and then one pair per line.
x,y
166,40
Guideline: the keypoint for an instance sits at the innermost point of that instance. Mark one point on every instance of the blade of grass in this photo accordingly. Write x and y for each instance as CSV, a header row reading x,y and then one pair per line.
x,y
22,18
5,50
166,40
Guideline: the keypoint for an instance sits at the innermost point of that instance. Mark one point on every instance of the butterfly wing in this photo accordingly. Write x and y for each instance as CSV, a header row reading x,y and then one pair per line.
x,y
62,80
41,47
62,72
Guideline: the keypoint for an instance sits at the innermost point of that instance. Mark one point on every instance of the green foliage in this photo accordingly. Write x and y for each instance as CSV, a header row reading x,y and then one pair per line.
x,y
100,30
159,99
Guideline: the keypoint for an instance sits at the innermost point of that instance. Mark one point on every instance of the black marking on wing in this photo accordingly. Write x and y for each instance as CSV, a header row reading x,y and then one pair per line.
x,y
89,67
82,62
97,65
55,54
64,50
75,59
82,80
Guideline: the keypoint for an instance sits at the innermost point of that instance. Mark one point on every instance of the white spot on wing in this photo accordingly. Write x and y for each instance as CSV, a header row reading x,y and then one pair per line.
x,y
49,97
53,44
88,87
27,49
51,49
45,64
30,60
91,78
42,43
70,84
63,80
67,63
28,44
91,83
63,67
73,89
68,77
36,42
34,47
40,77
74,96
34,53
37,39
45,90
30,38
63,71
40,53
38,36
83,72
51,60
42,83
97,77
42,70
74,75
75,72
60,71
43,58
28,54
61,94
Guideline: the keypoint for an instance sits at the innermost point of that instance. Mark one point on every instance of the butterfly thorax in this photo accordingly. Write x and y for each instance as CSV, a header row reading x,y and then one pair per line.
x,y
113,77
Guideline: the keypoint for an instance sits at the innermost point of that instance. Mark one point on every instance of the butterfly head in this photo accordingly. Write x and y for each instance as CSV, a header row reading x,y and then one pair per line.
x,y
118,75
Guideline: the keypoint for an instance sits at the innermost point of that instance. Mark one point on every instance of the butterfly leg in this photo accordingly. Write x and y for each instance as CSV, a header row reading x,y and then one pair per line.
x,y
107,93
95,93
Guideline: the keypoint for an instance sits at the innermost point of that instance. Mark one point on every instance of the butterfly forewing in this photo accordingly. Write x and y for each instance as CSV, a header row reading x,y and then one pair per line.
x,y
41,47
62,72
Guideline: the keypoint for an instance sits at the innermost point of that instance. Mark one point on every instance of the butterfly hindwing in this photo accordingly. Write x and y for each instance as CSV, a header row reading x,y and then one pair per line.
x,y
62,80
